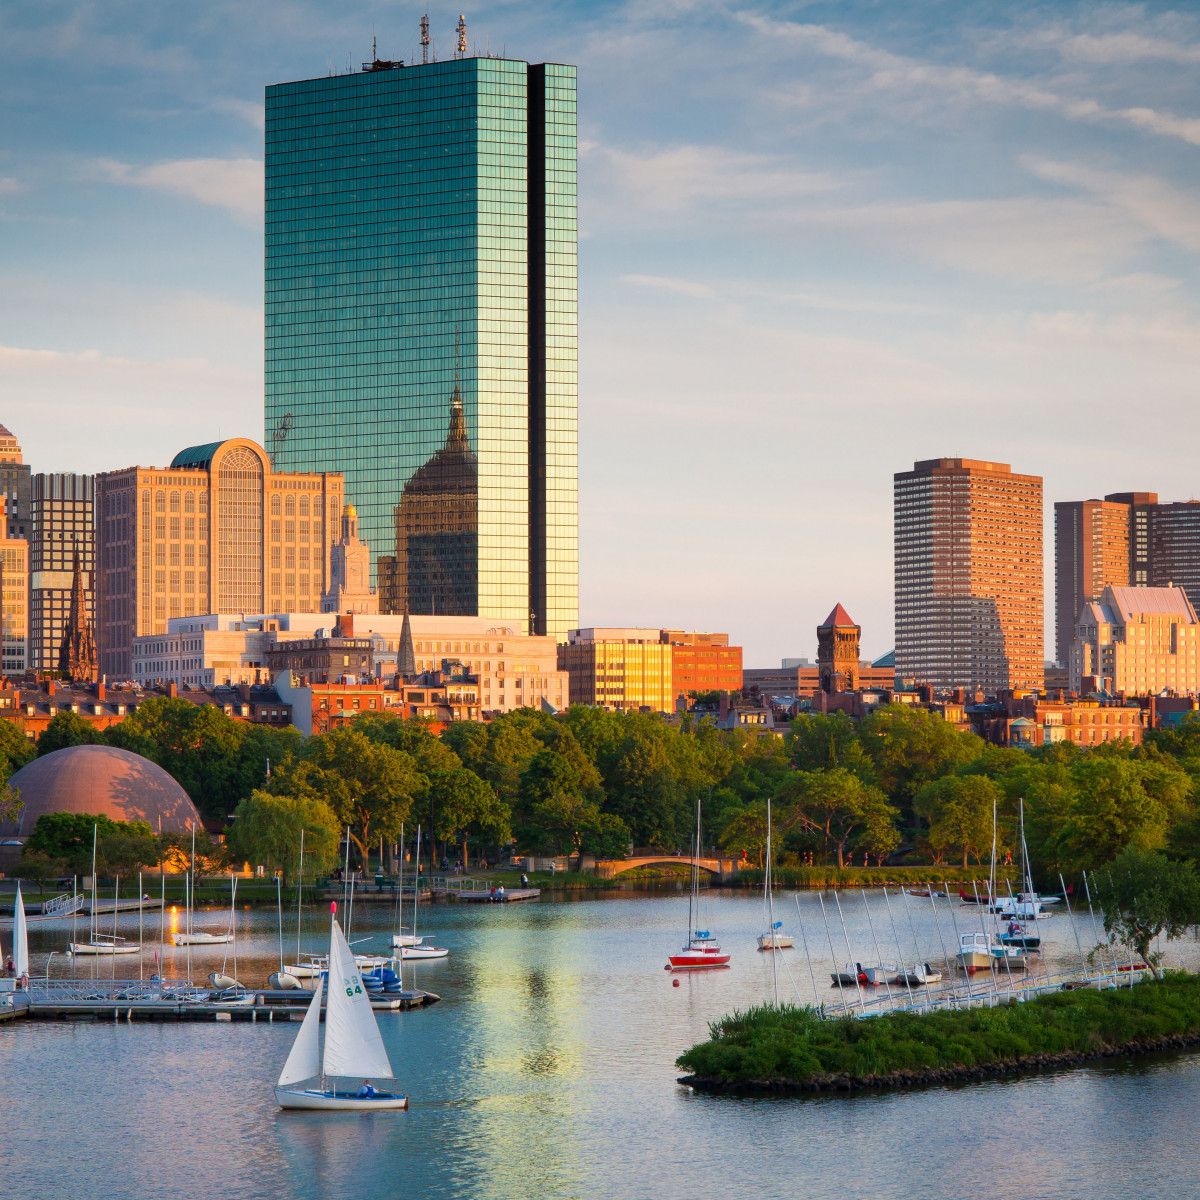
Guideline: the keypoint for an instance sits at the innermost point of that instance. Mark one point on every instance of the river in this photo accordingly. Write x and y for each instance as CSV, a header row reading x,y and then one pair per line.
x,y
547,1071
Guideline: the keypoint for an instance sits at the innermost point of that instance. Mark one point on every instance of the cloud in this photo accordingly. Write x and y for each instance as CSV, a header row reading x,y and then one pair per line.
x,y
679,287
683,177
233,184
1156,206
896,72
250,111
1113,49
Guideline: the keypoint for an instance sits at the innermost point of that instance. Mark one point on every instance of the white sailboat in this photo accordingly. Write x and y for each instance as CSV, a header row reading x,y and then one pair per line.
x,y
353,1048
416,948
773,937
202,937
102,943
20,940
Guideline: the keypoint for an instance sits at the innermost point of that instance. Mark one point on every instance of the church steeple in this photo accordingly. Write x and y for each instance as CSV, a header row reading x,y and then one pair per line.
x,y
77,657
406,660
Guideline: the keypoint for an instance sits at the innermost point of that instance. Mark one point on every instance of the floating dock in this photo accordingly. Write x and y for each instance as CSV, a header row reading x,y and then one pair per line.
x,y
175,1000
488,896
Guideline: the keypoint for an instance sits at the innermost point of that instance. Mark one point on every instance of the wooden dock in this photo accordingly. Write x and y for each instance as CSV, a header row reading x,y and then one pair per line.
x,y
489,897
133,1000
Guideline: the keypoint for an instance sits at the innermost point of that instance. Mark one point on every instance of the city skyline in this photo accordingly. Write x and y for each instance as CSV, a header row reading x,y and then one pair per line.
x,y
903,244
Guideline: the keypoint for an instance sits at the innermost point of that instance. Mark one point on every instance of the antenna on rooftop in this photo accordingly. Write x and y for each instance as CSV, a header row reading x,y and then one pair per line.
x,y
425,39
374,53
462,35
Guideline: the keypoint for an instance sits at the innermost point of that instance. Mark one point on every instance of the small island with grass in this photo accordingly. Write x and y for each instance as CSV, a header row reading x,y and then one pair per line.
x,y
794,1051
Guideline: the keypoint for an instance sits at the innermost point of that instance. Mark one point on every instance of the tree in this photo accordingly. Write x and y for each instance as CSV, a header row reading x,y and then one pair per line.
x,y
122,847
369,786
839,806
565,823
909,746
958,811
67,729
821,742
266,830
459,805
1146,895
746,834
15,749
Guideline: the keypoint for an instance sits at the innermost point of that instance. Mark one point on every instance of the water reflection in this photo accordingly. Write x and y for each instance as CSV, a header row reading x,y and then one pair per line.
x,y
547,1072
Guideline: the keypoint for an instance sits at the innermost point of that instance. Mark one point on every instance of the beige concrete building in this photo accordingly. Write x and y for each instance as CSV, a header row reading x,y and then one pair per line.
x,y
619,668
350,588
968,576
217,531
1137,642
514,669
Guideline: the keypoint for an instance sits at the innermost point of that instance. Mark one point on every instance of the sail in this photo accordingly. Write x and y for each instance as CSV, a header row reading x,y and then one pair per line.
x,y
20,937
353,1047
304,1062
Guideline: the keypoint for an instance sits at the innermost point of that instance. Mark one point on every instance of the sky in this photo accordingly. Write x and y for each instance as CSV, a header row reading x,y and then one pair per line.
x,y
818,242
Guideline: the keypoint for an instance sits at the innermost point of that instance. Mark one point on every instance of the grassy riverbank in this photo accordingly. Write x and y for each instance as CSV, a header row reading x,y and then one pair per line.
x,y
793,1050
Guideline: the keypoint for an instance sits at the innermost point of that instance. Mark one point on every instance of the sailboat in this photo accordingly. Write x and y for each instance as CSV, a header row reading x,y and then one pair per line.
x,y
701,950
101,943
353,1047
411,946
20,951
202,937
772,938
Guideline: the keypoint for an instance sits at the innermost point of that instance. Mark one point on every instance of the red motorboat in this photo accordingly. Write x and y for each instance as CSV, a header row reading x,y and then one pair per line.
x,y
701,951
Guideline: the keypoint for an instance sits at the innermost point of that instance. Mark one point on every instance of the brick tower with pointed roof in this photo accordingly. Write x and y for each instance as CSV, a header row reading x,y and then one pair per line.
x,y
837,652
77,658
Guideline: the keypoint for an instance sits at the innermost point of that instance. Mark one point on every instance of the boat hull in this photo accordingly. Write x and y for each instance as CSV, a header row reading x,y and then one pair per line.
x,y
696,961
329,1101
203,939
776,941
412,953
85,948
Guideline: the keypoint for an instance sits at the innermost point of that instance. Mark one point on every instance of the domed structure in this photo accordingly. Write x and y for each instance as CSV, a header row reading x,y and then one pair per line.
x,y
105,781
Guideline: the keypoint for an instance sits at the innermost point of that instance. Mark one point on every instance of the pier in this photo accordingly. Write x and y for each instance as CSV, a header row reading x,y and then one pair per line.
x,y
477,891
174,1000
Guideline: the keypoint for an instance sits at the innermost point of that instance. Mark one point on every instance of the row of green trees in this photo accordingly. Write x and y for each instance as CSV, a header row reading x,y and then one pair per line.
x,y
902,782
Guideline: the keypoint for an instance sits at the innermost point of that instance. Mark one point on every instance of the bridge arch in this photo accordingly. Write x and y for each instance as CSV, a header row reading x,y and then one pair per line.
x,y
717,867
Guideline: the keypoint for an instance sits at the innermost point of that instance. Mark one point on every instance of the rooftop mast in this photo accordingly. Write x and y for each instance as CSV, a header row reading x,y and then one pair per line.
x,y
462,35
425,39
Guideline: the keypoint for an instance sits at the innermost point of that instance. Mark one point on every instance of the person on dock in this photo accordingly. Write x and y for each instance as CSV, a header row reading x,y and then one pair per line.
x,y
524,880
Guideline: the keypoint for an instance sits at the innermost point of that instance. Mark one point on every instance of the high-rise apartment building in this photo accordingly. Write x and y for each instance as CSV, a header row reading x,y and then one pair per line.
x,y
217,531
1091,552
1174,535
421,324
968,570
61,536
14,485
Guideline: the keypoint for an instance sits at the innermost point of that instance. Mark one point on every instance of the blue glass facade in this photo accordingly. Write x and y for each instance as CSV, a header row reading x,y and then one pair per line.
x,y
421,324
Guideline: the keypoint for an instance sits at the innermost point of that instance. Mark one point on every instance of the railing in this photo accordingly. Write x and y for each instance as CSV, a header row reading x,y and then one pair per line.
x,y
115,991
924,998
63,906
457,883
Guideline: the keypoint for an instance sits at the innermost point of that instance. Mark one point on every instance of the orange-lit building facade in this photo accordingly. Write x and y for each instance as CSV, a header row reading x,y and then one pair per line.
x,y
1091,552
218,531
968,576
703,662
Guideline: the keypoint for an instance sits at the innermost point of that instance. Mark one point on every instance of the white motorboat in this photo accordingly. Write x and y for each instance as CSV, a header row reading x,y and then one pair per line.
x,y
918,974
353,1048
201,938
975,952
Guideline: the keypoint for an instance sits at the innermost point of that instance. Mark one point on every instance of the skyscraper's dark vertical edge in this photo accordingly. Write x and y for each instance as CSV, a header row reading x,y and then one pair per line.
x,y
536,174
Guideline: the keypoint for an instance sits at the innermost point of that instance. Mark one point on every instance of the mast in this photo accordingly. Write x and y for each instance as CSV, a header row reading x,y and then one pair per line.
x,y
692,894
191,899
299,892
92,910
771,947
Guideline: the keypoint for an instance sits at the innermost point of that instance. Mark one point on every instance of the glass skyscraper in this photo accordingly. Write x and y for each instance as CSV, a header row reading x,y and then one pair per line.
x,y
421,324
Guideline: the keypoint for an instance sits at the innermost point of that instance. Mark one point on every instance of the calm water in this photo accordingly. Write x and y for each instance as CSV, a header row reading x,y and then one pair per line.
x,y
547,1071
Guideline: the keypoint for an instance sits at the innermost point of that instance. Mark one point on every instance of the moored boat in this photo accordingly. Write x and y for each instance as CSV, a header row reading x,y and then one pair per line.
x,y
701,950
917,975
